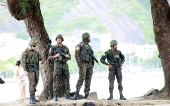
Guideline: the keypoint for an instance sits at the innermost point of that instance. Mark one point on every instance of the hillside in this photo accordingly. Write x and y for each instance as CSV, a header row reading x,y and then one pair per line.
x,y
127,21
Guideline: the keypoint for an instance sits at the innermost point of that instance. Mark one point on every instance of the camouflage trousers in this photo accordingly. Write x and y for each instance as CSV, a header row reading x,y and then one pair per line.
x,y
32,82
85,74
61,74
111,78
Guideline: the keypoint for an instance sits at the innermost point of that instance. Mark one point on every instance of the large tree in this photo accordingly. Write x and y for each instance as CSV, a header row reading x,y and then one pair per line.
x,y
161,26
29,11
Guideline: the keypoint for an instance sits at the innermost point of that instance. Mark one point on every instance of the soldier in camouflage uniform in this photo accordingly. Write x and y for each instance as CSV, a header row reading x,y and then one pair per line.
x,y
85,64
113,55
60,66
2,81
30,61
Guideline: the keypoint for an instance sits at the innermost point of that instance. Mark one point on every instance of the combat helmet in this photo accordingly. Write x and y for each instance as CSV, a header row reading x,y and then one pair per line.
x,y
59,36
113,42
85,35
32,42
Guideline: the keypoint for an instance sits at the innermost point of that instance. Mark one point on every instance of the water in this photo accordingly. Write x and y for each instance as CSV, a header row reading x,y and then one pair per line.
x,y
134,85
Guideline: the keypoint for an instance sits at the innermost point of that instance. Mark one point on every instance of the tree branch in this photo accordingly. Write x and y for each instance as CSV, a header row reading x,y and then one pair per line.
x,y
21,9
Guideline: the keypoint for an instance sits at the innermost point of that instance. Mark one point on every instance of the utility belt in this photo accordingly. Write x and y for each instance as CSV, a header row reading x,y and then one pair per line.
x,y
90,61
60,62
34,68
115,65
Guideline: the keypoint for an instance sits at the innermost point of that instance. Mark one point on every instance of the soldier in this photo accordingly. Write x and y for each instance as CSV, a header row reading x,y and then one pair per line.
x,y
85,63
115,61
30,61
60,55
2,81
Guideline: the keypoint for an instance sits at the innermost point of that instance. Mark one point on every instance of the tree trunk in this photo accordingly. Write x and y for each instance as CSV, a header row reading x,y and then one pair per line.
x,y
29,11
161,26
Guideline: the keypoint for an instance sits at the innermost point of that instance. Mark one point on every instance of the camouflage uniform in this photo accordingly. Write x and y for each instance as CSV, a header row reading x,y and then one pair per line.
x,y
61,71
28,58
30,61
85,64
114,57
2,81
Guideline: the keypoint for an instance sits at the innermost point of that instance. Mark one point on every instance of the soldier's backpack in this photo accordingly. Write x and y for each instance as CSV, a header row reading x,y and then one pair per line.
x,y
89,104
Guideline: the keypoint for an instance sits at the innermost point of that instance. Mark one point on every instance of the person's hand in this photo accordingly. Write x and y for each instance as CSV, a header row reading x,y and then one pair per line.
x,y
26,73
110,66
121,65
68,56
40,62
57,55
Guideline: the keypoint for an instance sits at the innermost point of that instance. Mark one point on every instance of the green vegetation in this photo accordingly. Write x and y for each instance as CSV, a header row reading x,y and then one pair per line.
x,y
55,14
22,35
153,62
54,22
53,11
7,67
139,11
147,64
84,22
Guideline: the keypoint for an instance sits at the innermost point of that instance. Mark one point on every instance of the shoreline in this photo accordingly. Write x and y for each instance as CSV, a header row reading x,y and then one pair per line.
x,y
135,85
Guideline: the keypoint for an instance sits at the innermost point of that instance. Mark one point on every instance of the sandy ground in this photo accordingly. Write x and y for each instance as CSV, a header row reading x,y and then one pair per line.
x,y
135,85
101,102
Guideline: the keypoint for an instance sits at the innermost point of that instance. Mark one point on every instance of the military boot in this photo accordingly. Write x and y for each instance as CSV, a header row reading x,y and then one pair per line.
x,y
86,95
76,95
35,99
32,100
111,97
122,97
68,96
55,98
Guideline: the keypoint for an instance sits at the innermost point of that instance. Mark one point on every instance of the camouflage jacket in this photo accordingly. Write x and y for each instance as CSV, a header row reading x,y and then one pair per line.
x,y
82,55
28,58
62,59
112,57
1,81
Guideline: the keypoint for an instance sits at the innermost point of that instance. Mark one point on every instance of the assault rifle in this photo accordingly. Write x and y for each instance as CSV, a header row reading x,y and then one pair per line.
x,y
35,68
91,53
116,67
61,53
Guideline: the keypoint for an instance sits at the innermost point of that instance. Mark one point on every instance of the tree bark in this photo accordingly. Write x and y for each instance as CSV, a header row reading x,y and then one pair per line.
x,y
29,11
161,26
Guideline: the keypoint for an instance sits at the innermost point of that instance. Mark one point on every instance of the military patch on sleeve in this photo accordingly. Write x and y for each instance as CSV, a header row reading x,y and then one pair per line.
x,y
116,56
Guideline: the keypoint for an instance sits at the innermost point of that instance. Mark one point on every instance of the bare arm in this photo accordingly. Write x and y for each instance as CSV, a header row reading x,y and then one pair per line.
x,y
16,74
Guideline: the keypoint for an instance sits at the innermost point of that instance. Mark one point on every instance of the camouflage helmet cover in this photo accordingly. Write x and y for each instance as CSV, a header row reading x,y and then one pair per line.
x,y
85,35
32,42
59,36
113,42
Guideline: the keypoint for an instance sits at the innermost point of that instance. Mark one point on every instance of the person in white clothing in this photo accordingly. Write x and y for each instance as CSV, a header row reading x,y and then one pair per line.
x,y
20,76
